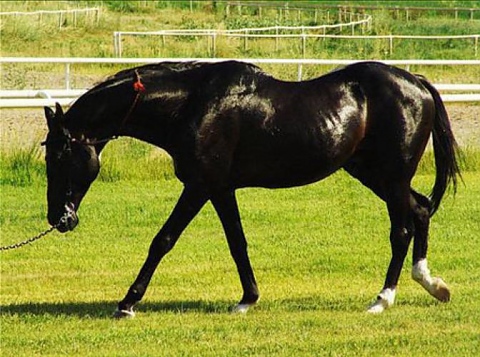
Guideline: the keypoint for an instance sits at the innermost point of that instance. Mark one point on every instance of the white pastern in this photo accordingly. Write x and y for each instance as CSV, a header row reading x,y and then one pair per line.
x,y
421,273
124,314
241,308
435,286
385,299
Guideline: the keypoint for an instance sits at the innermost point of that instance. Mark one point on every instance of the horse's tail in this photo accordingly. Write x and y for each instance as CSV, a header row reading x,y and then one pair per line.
x,y
445,149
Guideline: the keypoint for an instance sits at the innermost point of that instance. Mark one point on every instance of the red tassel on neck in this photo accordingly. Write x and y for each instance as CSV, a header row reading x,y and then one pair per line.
x,y
138,85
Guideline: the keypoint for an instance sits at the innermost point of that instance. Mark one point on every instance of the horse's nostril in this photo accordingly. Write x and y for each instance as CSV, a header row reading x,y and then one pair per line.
x,y
68,221
72,222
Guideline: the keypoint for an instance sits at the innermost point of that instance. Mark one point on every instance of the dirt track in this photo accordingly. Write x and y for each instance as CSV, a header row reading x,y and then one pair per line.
x,y
27,126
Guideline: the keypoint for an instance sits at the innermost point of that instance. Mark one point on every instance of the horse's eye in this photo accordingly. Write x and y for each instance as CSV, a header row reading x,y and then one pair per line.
x,y
61,155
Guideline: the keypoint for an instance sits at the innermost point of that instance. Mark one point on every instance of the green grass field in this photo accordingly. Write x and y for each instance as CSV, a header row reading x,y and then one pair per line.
x,y
320,253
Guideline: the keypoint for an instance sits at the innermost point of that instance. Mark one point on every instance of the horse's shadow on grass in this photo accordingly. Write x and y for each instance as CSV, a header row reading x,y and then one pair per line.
x,y
105,309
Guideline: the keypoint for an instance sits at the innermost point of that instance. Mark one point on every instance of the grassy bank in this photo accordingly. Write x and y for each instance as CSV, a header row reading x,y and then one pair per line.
x,y
30,37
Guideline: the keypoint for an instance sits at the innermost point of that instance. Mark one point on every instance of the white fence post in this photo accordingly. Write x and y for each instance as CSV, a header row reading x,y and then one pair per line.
x,y
476,45
276,38
67,76
304,45
119,42
214,44
299,72
115,45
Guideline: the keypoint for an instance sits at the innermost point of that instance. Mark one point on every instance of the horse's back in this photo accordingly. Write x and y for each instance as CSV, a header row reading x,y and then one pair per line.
x,y
271,133
259,131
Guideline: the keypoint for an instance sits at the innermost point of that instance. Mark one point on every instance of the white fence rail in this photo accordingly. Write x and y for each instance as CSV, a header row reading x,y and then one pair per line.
x,y
346,8
32,98
94,10
300,32
36,99
92,13
303,36
46,97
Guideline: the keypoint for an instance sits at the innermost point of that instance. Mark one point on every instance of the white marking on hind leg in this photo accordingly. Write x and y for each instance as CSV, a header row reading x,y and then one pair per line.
x,y
242,308
435,286
385,299
124,314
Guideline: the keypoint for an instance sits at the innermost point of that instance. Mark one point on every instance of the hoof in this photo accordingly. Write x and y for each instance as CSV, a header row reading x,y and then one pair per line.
x,y
124,314
378,307
241,308
439,290
435,286
385,299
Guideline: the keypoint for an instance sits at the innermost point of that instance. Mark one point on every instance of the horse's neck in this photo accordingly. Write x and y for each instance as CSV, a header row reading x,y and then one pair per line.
x,y
148,115
92,119
155,116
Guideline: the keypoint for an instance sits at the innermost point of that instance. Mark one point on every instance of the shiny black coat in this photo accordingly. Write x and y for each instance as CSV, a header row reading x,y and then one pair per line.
x,y
229,125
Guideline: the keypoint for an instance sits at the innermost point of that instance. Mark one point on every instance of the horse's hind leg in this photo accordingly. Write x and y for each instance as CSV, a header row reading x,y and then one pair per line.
x,y
396,194
401,233
420,206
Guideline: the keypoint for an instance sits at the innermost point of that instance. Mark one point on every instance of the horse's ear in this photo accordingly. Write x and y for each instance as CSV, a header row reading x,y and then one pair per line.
x,y
58,110
50,116
55,120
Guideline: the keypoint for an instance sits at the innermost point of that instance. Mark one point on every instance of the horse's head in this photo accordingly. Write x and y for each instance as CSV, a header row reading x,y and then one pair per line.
x,y
72,165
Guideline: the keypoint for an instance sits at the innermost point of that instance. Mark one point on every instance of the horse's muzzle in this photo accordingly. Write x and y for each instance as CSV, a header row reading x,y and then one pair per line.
x,y
69,220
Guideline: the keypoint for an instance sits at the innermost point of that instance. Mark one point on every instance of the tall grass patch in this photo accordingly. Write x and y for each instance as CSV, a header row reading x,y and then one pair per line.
x,y
21,166
131,160
468,159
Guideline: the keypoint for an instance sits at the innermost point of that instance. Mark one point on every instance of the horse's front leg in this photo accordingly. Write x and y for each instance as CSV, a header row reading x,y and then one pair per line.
x,y
226,206
187,207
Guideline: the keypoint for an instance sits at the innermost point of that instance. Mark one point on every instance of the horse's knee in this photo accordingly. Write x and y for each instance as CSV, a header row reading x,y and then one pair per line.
x,y
162,245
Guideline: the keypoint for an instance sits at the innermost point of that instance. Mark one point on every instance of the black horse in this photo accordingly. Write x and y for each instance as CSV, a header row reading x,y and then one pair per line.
x,y
229,125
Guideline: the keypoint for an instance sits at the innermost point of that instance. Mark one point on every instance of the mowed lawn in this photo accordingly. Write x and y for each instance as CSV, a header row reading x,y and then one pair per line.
x,y
319,252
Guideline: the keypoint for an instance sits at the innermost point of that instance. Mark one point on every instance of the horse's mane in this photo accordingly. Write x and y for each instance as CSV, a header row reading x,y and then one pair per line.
x,y
160,67
156,69
129,73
